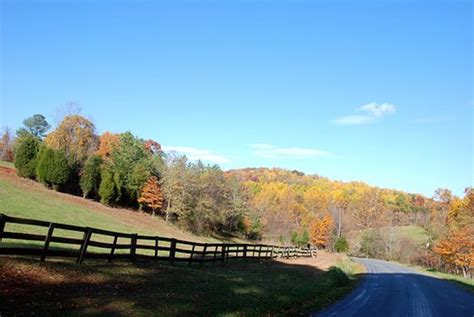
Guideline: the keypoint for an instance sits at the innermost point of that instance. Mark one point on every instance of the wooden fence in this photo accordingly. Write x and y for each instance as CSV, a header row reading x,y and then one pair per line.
x,y
127,246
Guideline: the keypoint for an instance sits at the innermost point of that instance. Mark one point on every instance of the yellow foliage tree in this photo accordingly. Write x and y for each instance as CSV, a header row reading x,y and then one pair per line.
x,y
321,231
151,195
76,136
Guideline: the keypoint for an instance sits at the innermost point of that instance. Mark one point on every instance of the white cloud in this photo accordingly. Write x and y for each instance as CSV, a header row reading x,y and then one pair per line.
x,y
197,154
373,112
378,110
271,151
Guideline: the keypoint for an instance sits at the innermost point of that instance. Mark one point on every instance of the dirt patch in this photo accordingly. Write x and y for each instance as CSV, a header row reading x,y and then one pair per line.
x,y
323,260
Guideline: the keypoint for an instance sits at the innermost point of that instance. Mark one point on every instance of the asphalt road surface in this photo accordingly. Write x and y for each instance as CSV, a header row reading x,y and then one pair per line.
x,y
393,290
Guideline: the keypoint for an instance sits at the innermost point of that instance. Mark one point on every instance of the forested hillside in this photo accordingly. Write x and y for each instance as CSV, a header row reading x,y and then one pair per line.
x,y
257,203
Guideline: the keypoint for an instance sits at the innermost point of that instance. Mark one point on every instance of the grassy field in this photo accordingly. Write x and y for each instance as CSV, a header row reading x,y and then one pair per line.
x,y
247,288
25,198
7,164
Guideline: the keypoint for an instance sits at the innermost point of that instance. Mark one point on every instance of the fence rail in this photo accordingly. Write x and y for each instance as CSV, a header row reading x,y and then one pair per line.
x,y
128,246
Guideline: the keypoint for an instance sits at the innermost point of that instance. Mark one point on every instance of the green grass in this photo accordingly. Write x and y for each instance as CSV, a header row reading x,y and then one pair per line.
x,y
414,233
7,164
241,288
466,283
18,201
27,199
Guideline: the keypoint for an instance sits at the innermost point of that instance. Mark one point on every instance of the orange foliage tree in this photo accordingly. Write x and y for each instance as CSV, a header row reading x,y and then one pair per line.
x,y
321,230
457,250
107,142
151,195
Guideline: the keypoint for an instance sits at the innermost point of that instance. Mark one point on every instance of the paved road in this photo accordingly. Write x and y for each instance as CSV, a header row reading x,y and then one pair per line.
x,y
393,290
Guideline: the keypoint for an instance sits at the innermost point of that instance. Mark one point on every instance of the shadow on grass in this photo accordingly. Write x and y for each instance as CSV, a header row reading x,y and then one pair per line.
x,y
96,288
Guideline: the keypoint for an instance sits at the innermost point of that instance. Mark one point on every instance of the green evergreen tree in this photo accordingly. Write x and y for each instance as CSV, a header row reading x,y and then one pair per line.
x,y
26,155
341,244
304,239
90,177
35,125
52,168
107,188
294,237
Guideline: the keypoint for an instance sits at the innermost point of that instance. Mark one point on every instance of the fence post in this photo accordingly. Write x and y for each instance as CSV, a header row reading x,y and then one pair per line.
x,y
271,253
227,253
112,250
172,250
215,254
47,241
191,256
245,251
3,220
133,246
203,253
156,248
85,243
223,253
260,251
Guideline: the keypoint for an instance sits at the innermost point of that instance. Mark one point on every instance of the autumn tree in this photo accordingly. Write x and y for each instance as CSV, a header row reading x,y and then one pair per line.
x,y
457,250
153,147
321,231
151,195
365,206
75,136
6,145
177,186
107,142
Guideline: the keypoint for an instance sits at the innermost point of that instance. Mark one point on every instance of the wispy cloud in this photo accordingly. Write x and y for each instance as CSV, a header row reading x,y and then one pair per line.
x,y
372,112
271,151
378,110
197,154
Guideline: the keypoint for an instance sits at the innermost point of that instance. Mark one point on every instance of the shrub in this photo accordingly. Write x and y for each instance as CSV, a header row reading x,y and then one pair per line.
x,y
25,156
304,239
370,244
52,168
90,177
294,237
341,245
107,188
337,277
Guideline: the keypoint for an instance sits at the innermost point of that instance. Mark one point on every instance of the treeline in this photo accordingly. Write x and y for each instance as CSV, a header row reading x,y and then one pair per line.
x,y
274,204
363,219
124,170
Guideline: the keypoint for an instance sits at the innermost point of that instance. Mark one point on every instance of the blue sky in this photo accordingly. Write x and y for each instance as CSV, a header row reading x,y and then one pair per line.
x,y
376,91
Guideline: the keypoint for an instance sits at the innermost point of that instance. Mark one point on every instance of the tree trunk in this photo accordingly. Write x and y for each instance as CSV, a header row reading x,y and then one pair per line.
x,y
168,210
339,227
